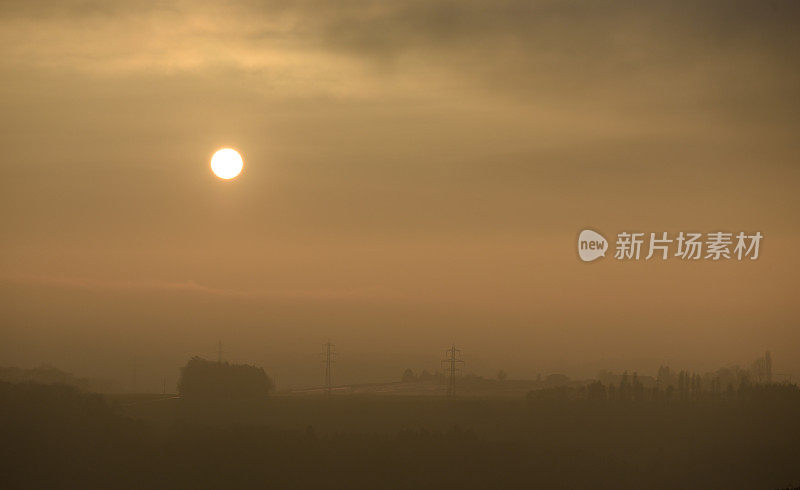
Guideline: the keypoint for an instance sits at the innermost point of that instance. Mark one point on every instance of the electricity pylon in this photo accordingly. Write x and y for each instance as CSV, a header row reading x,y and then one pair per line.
x,y
451,362
329,357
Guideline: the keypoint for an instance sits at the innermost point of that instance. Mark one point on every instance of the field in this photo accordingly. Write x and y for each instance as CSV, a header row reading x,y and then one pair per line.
x,y
56,434
567,444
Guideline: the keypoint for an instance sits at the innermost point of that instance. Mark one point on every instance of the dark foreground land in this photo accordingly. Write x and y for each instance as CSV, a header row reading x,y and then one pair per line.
x,y
57,437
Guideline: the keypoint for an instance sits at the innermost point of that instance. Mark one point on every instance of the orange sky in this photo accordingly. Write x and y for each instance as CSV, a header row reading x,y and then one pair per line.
x,y
416,173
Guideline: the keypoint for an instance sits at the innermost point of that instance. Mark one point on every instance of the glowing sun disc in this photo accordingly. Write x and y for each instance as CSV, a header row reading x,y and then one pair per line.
x,y
226,163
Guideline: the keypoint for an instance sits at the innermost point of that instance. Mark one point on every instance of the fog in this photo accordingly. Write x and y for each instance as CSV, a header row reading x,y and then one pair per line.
x,y
416,174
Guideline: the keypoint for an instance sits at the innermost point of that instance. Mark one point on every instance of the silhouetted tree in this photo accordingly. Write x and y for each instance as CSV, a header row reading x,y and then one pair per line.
x,y
624,387
202,379
637,388
596,391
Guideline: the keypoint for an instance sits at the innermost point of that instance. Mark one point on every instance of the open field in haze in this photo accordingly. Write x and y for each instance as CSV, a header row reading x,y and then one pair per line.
x,y
518,443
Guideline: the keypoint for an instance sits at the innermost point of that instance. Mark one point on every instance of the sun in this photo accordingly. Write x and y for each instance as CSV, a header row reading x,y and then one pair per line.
x,y
226,163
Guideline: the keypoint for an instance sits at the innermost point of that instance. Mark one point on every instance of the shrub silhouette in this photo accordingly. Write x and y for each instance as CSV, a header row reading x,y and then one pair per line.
x,y
206,380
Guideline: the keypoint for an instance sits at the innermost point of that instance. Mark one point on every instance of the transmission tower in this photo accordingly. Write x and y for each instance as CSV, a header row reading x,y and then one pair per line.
x,y
329,357
452,363
219,352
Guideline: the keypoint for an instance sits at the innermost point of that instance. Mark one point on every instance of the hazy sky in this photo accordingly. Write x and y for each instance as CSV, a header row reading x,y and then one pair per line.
x,y
416,173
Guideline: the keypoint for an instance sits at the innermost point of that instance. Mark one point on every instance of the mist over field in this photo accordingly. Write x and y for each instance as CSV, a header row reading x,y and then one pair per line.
x,y
416,175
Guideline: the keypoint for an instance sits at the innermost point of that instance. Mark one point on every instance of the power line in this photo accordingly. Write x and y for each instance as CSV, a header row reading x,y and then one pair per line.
x,y
451,362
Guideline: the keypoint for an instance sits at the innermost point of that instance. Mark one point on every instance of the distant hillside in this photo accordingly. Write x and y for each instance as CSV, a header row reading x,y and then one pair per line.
x,y
43,374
